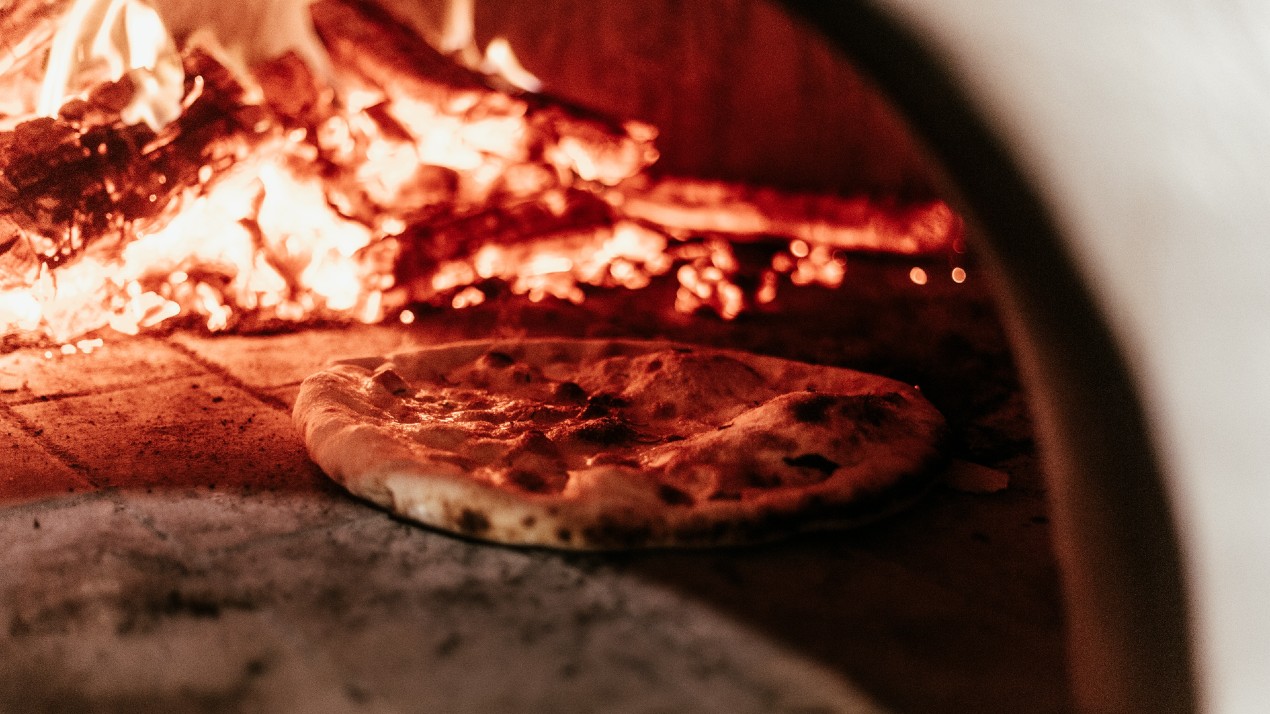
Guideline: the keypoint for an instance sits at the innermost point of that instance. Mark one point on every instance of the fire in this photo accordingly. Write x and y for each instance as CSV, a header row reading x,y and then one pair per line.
x,y
106,41
458,39
197,178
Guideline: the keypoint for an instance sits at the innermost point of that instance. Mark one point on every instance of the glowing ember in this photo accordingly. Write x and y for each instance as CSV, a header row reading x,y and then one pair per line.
x,y
203,179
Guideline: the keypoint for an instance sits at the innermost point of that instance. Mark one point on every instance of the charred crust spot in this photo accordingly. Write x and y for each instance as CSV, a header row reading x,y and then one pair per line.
x,y
603,404
725,496
815,510
672,496
655,365
472,522
528,521
497,359
615,460
385,377
547,415
607,431
565,535
530,481
813,461
674,437
869,409
813,409
536,442
570,392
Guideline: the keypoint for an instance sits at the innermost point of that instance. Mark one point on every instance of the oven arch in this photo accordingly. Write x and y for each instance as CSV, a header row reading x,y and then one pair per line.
x,y
1116,534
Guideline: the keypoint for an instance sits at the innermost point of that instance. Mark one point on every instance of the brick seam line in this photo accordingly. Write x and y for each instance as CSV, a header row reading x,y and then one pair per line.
x,y
260,395
100,390
37,435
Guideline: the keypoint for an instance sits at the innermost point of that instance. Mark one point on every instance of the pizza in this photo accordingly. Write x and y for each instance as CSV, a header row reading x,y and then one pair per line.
x,y
616,444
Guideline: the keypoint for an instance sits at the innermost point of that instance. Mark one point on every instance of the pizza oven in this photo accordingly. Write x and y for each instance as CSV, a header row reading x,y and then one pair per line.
x,y
1044,216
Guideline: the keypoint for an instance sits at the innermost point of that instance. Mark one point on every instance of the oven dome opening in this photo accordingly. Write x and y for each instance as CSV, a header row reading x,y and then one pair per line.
x,y
737,183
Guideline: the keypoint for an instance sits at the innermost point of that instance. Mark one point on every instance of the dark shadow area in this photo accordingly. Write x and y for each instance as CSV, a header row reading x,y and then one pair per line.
x,y
1132,644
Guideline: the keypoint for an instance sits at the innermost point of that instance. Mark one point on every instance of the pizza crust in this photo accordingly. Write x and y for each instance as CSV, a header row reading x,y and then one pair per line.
x,y
614,444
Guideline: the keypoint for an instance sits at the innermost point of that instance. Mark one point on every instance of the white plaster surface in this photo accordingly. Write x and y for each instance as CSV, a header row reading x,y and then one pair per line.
x,y
1143,124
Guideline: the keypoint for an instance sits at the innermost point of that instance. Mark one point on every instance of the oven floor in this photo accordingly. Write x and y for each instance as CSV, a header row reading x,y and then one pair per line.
x,y
169,547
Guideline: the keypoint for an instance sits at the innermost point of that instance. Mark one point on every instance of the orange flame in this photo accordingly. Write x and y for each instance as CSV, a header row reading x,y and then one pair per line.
x,y
458,39
106,40
309,219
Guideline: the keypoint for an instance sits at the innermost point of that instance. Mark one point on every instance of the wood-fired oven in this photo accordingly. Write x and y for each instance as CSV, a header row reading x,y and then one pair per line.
x,y
1088,175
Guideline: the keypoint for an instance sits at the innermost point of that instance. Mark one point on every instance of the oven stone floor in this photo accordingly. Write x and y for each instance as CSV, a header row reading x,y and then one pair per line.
x,y
169,547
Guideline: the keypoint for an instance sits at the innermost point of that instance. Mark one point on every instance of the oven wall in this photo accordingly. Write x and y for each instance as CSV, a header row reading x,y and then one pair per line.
x,y
1141,129
739,89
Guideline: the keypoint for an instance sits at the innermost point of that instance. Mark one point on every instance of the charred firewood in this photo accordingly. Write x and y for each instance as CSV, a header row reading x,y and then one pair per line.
x,y
422,248
744,213
374,48
84,176
368,42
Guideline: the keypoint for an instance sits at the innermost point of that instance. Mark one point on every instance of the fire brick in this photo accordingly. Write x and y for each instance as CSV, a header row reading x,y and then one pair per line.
x,y
182,433
266,361
26,375
27,471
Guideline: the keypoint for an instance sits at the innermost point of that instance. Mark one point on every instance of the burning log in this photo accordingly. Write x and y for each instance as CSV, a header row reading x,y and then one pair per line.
x,y
428,93
425,247
414,179
737,211
367,43
83,176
